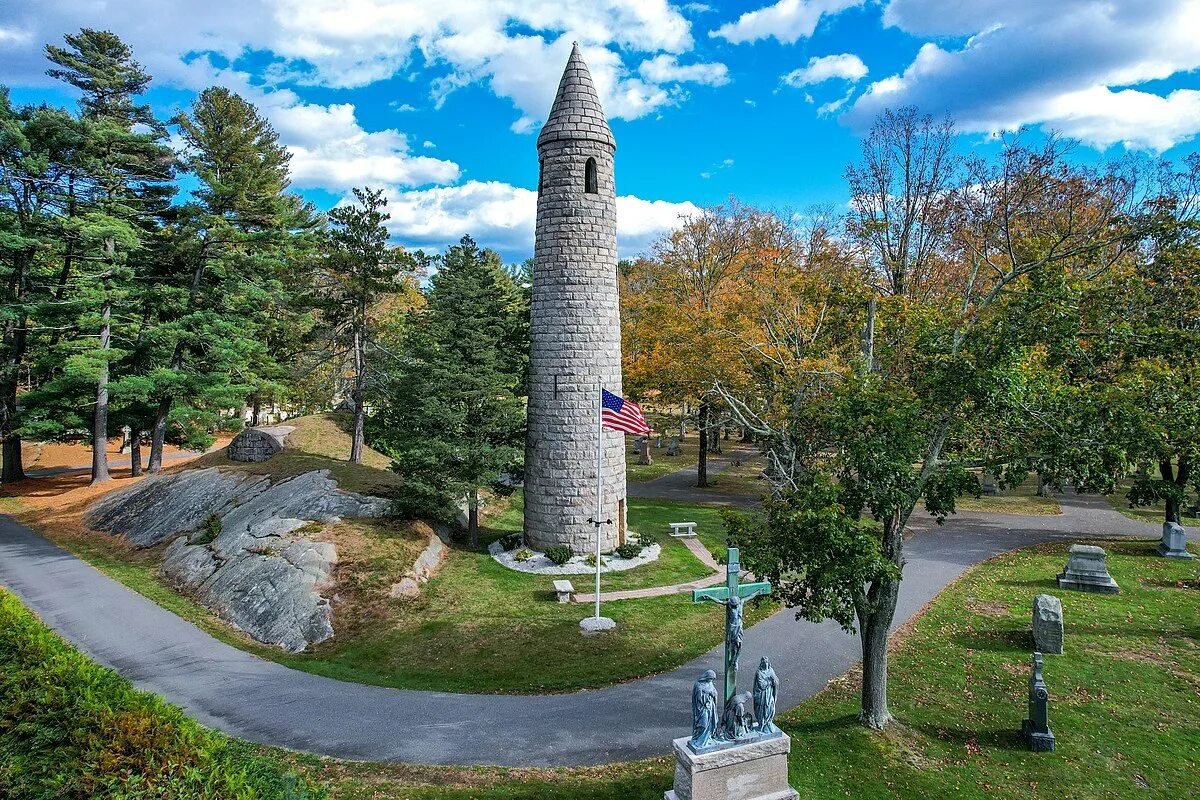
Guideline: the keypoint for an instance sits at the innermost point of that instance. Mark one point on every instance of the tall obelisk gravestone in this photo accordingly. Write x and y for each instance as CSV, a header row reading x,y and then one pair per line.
x,y
576,330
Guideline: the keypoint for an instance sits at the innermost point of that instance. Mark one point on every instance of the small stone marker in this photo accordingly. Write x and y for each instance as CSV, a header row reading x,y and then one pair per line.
x,y
1048,624
1036,728
564,590
673,446
988,484
1174,541
644,451
683,530
1087,571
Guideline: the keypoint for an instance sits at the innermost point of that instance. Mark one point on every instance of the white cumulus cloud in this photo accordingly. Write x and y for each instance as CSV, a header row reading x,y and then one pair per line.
x,y
1082,67
664,68
844,66
516,48
502,216
786,20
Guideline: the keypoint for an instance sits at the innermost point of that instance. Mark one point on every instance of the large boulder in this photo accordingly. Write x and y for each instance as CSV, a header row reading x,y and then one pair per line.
x,y
255,572
162,506
258,444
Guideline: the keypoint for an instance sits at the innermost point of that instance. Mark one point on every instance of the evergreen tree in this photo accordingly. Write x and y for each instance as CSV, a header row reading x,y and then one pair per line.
x,y
454,421
119,190
36,149
358,270
224,285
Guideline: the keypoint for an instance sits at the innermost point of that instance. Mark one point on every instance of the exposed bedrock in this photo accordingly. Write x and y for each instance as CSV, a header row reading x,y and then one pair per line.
x,y
256,573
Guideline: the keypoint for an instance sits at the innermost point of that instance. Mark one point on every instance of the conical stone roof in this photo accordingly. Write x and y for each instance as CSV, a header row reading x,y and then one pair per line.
x,y
576,113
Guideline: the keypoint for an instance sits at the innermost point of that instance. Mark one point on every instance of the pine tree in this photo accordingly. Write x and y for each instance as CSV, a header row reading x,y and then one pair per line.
x,y
359,269
120,189
454,421
232,245
36,146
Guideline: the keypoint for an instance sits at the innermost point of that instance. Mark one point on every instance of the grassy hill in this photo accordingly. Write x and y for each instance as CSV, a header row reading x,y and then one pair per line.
x,y
320,441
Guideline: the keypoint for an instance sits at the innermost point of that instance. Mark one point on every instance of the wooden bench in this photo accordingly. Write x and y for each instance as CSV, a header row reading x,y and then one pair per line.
x,y
564,590
683,530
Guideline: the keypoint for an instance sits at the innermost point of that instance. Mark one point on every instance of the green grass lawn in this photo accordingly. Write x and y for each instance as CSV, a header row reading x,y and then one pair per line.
x,y
478,626
663,464
1124,703
1021,499
320,441
1154,514
70,728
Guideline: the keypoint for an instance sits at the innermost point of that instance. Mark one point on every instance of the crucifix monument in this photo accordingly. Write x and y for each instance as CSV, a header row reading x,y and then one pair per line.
x,y
741,748
733,595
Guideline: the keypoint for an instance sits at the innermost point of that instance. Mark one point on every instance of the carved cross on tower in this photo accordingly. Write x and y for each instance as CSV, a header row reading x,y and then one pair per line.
x,y
733,596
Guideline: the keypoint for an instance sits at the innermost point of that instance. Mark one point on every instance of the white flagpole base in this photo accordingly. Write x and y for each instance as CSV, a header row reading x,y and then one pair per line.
x,y
596,625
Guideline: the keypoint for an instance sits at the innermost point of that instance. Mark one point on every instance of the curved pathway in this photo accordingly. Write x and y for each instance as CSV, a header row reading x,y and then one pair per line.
x,y
680,485
262,701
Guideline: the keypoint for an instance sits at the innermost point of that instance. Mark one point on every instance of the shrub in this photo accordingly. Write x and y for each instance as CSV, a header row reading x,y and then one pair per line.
x,y
523,555
70,728
631,549
209,531
511,541
558,554
591,560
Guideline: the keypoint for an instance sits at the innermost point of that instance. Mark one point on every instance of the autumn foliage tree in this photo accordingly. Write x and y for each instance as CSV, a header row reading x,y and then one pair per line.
x,y
950,248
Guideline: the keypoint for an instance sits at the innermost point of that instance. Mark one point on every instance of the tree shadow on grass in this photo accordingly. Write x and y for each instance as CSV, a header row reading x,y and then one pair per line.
x,y
997,641
1038,583
996,739
844,722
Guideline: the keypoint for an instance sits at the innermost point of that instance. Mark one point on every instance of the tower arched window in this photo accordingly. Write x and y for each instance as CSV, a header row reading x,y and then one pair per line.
x,y
590,183
541,175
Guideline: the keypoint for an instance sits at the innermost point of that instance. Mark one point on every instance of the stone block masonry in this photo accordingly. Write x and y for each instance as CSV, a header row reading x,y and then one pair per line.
x,y
575,332
258,444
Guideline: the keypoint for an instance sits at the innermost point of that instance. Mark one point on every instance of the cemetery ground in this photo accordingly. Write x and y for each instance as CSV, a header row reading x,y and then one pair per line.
x,y
736,473
1124,701
477,626
1124,696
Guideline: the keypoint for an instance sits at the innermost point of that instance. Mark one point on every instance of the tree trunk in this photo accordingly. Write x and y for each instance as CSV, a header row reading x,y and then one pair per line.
x,y
159,435
875,621
135,453
100,420
873,631
256,412
356,441
17,337
473,518
702,435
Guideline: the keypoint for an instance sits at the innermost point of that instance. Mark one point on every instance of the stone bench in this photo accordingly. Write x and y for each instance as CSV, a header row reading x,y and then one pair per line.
x,y
683,530
564,590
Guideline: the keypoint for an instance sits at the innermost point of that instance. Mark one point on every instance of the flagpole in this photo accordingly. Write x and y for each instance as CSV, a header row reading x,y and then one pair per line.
x,y
599,481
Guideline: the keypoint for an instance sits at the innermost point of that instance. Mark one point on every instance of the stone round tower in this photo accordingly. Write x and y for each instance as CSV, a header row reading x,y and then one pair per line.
x,y
576,329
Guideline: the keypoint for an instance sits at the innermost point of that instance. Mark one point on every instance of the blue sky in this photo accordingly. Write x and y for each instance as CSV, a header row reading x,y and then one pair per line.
x,y
440,102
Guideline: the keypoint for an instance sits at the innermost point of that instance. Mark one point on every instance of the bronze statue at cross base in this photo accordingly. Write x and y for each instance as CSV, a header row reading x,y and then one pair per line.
x,y
746,716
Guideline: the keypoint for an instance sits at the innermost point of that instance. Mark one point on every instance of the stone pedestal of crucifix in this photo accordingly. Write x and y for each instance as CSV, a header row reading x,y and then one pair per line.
x,y
735,751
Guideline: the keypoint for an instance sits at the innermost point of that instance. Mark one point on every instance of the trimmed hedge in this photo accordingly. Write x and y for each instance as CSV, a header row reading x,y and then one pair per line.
x,y
70,728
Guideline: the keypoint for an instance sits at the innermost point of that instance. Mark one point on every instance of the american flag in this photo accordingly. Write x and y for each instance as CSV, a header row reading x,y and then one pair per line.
x,y
619,414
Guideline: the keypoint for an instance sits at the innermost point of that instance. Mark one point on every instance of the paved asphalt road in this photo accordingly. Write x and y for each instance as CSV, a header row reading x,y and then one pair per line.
x,y
264,702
